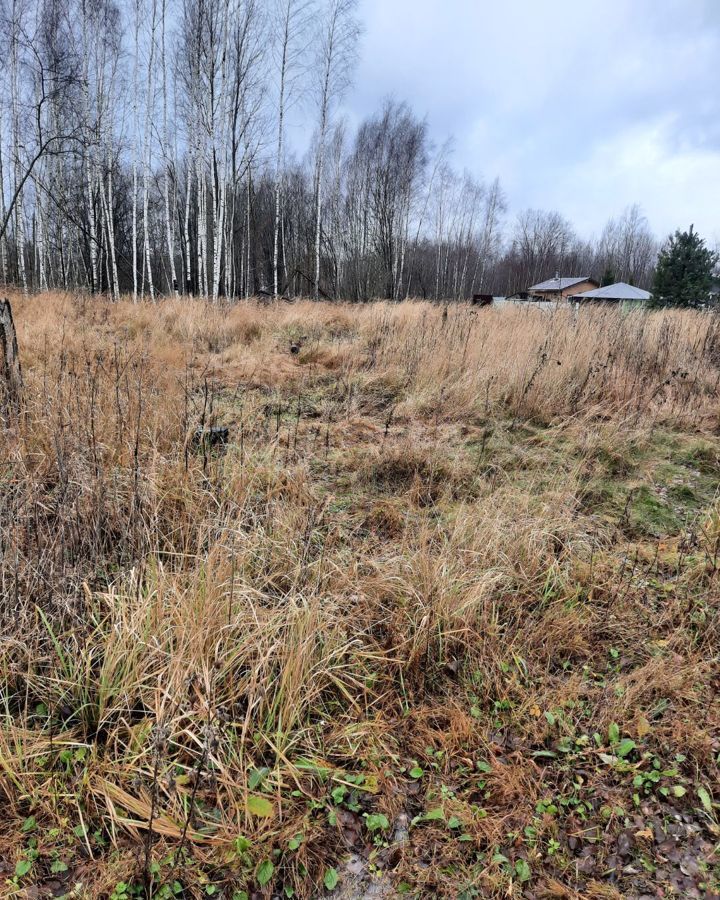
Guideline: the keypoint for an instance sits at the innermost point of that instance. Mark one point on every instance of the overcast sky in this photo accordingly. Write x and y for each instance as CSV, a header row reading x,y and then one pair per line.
x,y
584,106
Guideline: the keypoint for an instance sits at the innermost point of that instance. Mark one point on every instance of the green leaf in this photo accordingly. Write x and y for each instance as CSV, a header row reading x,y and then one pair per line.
x,y
705,799
211,889
259,806
242,844
240,895
58,866
264,872
29,824
522,870
377,822
454,822
614,733
434,814
678,790
550,718
331,879
22,867
338,793
295,842
416,772
626,747
256,776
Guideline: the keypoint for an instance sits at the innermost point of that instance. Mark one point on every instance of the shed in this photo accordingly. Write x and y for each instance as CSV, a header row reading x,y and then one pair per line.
x,y
614,293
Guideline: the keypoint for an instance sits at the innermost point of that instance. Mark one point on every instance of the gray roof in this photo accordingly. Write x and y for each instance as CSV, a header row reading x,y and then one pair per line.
x,y
559,284
619,291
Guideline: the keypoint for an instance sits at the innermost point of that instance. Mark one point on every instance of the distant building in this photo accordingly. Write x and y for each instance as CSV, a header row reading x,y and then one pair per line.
x,y
614,293
558,288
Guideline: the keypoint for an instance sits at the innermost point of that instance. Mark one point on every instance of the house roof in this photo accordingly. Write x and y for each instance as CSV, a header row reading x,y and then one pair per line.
x,y
619,291
559,284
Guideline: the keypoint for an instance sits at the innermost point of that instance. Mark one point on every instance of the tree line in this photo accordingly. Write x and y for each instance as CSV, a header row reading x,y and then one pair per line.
x,y
144,149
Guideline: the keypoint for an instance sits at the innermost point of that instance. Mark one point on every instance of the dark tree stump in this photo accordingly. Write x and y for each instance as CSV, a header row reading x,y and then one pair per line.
x,y
10,371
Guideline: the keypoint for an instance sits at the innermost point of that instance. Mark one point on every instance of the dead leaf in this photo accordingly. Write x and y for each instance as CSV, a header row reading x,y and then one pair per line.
x,y
643,727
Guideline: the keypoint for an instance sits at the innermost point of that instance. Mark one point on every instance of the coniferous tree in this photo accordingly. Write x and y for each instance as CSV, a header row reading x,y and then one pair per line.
x,y
684,272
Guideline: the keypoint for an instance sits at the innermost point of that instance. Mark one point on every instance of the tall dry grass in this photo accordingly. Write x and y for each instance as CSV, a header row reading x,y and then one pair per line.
x,y
187,632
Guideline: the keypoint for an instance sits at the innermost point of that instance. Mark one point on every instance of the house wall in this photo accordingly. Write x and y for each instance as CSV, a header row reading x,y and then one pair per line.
x,y
586,285
579,288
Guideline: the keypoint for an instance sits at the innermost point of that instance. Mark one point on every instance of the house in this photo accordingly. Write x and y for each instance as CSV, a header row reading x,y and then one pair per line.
x,y
614,293
558,288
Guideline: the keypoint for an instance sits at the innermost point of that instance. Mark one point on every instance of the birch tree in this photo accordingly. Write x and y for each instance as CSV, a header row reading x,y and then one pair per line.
x,y
337,48
168,161
138,9
17,28
3,237
147,157
490,235
291,21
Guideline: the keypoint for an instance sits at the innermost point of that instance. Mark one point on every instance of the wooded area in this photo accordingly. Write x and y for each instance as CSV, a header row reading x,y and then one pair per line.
x,y
144,148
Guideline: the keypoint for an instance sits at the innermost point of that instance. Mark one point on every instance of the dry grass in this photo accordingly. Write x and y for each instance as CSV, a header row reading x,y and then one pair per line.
x,y
482,547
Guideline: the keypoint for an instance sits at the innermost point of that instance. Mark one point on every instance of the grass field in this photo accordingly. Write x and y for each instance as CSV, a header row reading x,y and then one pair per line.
x,y
441,619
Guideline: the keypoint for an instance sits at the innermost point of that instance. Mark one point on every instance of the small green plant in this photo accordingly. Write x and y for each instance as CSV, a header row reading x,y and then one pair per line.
x,y
125,890
295,841
376,822
331,879
655,778
264,872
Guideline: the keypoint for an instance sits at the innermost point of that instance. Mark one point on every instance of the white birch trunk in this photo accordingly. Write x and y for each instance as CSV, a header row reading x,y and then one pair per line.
x,y
136,153
169,222
188,245
285,43
3,239
19,206
147,154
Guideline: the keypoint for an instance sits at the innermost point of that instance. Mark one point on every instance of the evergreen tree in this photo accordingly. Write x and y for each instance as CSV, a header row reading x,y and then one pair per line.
x,y
608,277
684,272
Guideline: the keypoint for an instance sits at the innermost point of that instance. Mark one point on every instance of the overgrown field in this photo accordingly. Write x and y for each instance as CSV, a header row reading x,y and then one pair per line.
x,y
440,619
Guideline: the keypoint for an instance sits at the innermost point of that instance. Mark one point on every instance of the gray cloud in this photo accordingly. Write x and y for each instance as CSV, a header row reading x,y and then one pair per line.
x,y
584,107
